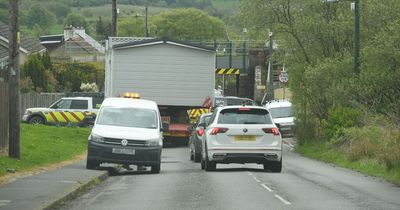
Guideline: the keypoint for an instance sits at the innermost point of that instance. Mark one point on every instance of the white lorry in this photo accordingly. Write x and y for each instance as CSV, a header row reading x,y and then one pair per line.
x,y
178,76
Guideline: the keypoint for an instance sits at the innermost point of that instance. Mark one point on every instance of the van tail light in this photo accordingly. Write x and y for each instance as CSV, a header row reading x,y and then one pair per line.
x,y
274,131
215,131
200,132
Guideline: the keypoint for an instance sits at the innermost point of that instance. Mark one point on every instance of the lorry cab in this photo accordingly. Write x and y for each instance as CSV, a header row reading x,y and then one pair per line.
x,y
127,131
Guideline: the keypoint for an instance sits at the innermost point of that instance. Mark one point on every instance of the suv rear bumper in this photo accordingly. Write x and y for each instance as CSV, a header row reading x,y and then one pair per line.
x,y
146,156
259,156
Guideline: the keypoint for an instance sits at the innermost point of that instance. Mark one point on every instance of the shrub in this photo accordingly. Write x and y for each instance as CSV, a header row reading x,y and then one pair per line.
x,y
338,118
381,143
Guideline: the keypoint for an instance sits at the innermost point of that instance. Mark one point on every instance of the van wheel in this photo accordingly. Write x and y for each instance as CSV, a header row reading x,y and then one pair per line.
x,y
156,169
92,164
36,120
197,157
203,165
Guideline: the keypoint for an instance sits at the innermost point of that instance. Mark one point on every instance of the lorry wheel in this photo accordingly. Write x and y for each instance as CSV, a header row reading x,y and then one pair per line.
x,y
92,164
36,120
156,169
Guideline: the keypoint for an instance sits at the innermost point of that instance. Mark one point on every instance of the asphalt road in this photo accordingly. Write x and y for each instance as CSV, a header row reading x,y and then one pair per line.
x,y
303,184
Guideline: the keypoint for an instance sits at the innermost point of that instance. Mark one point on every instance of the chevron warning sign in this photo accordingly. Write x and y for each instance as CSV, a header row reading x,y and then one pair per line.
x,y
227,71
194,114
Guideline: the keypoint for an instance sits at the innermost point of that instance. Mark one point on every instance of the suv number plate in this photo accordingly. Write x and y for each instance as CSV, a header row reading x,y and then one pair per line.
x,y
123,151
245,138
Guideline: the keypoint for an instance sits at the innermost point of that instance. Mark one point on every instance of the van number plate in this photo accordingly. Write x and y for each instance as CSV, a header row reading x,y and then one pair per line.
x,y
123,151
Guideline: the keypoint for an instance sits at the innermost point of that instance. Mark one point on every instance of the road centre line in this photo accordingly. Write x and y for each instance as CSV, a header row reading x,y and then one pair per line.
x,y
283,200
266,187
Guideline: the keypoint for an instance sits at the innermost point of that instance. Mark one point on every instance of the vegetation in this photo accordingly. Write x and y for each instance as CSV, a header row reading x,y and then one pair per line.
x,y
45,145
356,116
40,75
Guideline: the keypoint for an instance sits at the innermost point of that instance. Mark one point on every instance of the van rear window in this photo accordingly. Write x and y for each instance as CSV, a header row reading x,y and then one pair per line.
x,y
244,116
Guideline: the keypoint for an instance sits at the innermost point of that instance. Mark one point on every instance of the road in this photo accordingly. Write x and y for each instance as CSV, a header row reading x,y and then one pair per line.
x,y
303,184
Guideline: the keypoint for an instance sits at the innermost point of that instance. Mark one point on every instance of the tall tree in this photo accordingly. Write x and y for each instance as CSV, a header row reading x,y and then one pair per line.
x,y
76,20
189,24
39,15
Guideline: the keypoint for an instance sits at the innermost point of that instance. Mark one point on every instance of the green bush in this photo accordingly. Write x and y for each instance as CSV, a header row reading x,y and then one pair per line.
x,y
338,118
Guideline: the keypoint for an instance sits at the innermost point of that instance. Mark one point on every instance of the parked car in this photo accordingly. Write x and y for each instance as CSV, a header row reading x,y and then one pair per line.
x,y
282,115
127,131
76,110
242,134
196,137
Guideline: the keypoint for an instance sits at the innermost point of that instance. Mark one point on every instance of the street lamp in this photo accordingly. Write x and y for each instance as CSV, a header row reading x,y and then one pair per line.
x,y
356,7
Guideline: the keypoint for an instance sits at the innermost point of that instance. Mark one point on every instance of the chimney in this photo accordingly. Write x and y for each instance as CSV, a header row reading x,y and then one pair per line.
x,y
68,32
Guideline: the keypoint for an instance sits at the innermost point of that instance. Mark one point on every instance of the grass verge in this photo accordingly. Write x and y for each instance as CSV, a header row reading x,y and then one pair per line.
x,y
44,145
368,166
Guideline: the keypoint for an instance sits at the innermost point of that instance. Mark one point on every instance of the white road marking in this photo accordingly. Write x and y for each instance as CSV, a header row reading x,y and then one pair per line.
x,y
255,178
266,187
249,173
283,200
4,202
70,182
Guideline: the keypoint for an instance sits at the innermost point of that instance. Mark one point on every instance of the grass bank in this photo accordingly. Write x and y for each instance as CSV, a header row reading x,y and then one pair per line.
x,y
45,145
368,166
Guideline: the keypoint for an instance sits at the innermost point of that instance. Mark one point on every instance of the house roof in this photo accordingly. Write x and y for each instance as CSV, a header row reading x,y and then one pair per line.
x,y
31,45
3,51
162,41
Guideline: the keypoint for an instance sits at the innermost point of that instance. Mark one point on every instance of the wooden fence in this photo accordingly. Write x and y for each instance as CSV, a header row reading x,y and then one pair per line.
x,y
33,99
3,117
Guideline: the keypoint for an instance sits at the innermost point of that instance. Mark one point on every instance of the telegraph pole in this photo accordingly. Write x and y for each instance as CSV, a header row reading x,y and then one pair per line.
x,y
114,18
14,77
357,37
271,69
146,30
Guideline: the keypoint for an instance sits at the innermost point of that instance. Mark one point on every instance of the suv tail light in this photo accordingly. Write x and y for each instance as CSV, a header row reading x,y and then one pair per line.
x,y
215,131
200,131
274,131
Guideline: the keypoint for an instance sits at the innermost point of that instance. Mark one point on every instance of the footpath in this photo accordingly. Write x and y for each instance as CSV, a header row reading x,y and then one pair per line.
x,y
49,190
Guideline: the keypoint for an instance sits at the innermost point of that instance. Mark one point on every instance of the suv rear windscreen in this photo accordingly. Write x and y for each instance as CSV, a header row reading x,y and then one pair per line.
x,y
244,116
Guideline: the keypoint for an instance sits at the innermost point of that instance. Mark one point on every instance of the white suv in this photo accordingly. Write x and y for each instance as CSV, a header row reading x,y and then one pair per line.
x,y
282,115
242,134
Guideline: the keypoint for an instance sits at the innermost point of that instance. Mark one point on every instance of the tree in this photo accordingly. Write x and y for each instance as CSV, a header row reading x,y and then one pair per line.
x,y
61,10
34,69
38,15
76,20
103,28
188,24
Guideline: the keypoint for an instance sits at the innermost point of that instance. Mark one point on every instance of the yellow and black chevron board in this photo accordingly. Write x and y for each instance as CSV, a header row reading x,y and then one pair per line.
x,y
227,71
194,114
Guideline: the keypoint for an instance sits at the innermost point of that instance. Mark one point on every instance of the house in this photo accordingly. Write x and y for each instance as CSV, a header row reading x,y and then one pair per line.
x,y
73,45
27,46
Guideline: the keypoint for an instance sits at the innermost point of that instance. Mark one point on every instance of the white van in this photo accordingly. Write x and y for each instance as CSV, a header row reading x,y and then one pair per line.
x,y
126,131
282,115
